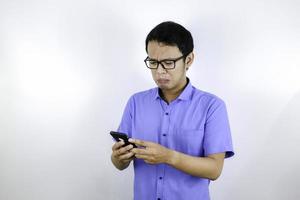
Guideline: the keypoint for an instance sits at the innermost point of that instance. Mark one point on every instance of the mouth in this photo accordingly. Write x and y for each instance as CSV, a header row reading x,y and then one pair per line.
x,y
162,81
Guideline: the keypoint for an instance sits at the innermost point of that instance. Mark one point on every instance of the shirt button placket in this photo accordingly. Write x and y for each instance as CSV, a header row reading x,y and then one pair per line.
x,y
165,128
163,141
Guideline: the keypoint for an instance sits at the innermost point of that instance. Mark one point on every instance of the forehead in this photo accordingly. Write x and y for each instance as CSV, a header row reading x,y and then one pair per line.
x,y
159,50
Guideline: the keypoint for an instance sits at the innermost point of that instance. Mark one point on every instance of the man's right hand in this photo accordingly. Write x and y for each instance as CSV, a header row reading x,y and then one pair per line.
x,y
121,156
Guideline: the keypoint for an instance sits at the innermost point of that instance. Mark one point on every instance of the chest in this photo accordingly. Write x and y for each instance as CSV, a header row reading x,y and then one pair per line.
x,y
179,126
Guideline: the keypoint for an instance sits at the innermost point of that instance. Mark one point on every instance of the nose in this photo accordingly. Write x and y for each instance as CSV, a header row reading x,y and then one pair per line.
x,y
160,69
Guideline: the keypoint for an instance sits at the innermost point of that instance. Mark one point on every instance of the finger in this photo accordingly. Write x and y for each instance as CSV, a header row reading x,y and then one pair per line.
x,y
126,156
149,162
123,150
117,145
144,157
139,142
140,151
141,156
129,147
128,160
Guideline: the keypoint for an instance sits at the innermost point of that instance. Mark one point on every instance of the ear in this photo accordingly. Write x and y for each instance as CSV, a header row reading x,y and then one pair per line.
x,y
189,60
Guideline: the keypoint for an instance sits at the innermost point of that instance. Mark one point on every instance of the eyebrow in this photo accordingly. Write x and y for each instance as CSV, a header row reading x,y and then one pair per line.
x,y
162,59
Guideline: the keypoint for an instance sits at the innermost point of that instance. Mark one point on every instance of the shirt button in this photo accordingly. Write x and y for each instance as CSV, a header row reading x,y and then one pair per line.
x,y
160,178
164,134
158,198
167,113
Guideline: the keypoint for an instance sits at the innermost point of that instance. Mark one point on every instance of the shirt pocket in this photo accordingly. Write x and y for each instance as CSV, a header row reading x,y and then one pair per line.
x,y
188,141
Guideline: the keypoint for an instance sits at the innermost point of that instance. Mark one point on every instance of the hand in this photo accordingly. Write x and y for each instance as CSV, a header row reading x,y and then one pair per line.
x,y
122,154
150,152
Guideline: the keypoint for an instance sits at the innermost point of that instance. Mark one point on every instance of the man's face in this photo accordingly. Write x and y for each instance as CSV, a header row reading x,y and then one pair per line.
x,y
170,79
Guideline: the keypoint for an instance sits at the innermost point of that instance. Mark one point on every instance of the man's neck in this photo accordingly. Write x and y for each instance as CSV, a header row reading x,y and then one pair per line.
x,y
169,95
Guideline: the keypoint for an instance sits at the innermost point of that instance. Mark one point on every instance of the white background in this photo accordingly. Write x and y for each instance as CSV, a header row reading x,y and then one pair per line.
x,y
67,69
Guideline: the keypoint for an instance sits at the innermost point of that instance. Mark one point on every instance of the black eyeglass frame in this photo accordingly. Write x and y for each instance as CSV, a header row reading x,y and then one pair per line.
x,y
164,60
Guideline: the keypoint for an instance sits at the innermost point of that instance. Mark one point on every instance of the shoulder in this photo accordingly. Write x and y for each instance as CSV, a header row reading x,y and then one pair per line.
x,y
207,98
143,95
210,103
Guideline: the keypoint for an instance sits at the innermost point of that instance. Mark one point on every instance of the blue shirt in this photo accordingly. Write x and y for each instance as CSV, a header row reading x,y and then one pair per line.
x,y
195,123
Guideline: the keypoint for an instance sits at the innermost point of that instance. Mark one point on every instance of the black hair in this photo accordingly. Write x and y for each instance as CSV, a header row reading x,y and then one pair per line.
x,y
173,34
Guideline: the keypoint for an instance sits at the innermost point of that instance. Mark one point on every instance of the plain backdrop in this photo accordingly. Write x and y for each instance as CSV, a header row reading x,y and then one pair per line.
x,y
67,69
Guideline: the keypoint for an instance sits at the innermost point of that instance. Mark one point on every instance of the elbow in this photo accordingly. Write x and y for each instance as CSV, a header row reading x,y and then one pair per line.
x,y
216,171
215,177
216,174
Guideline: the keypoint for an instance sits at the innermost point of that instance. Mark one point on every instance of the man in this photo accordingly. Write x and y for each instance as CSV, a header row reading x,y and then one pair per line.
x,y
182,133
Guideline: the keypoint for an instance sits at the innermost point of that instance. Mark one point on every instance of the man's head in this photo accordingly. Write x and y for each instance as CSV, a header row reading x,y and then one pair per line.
x,y
172,34
169,42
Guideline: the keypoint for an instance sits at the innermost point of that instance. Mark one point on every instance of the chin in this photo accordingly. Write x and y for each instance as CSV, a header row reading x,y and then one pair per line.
x,y
164,87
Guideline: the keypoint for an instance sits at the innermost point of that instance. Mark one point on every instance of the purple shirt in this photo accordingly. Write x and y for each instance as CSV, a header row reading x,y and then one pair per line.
x,y
195,123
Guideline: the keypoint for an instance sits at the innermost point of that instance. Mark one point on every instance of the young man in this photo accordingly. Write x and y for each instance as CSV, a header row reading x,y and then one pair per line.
x,y
182,133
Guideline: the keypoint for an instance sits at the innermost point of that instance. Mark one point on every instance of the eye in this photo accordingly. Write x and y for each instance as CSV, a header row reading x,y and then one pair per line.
x,y
168,62
152,62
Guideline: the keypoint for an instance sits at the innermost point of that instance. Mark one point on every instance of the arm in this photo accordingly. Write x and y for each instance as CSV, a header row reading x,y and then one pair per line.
x,y
121,157
206,167
209,167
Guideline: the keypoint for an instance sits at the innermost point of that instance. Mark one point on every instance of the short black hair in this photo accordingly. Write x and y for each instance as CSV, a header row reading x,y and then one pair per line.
x,y
173,34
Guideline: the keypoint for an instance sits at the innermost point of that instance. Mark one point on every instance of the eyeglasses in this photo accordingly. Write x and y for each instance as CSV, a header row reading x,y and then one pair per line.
x,y
166,63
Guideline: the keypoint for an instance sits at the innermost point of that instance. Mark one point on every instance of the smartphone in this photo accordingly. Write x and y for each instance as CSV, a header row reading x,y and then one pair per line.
x,y
118,136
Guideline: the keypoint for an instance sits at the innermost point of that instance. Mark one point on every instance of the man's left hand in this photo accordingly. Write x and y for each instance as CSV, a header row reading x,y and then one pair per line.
x,y
150,152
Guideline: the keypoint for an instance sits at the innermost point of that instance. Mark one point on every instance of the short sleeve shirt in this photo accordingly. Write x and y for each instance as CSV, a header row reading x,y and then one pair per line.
x,y
195,123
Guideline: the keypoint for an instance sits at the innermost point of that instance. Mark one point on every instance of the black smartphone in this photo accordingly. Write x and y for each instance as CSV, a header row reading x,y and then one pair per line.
x,y
118,136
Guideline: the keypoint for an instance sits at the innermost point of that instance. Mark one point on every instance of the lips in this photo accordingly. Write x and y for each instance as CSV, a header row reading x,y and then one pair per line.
x,y
163,81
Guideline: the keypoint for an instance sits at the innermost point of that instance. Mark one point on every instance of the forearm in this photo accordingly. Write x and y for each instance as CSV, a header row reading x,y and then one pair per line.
x,y
204,167
119,165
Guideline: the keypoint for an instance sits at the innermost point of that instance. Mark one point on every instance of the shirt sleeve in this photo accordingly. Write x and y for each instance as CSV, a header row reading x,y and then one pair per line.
x,y
125,125
217,134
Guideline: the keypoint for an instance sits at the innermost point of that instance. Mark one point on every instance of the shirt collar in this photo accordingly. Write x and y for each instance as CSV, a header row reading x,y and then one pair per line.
x,y
184,95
